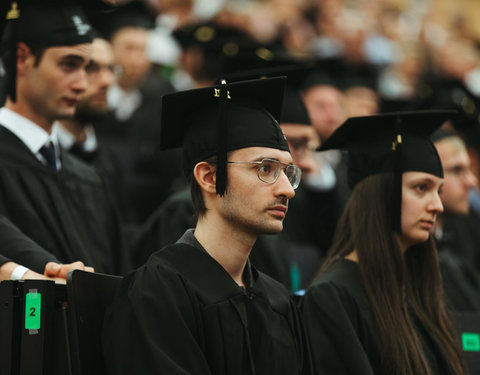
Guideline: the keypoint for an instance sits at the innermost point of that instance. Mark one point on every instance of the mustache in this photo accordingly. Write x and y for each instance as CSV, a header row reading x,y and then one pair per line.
x,y
280,201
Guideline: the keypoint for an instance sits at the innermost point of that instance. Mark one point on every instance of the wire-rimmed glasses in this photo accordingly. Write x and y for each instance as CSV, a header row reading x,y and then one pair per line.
x,y
268,171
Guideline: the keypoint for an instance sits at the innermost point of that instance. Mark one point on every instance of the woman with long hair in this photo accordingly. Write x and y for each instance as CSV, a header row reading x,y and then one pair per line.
x,y
377,306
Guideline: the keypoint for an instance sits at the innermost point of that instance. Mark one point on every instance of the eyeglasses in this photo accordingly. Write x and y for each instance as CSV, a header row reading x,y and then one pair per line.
x,y
268,171
93,69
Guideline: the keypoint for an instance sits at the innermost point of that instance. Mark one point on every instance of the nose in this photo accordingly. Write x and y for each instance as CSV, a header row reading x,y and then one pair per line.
x,y
470,179
435,205
283,187
81,81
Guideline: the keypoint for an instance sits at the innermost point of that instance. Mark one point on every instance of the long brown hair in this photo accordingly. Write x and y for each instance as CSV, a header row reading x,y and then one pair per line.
x,y
395,284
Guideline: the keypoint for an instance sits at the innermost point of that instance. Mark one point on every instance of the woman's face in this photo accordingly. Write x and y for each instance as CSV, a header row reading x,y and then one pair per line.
x,y
420,206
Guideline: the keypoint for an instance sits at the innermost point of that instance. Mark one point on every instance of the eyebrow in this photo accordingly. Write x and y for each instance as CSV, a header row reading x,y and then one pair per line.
x,y
425,180
74,57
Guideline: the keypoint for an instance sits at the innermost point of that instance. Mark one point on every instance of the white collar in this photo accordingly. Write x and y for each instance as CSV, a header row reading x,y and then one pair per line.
x,y
32,135
66,139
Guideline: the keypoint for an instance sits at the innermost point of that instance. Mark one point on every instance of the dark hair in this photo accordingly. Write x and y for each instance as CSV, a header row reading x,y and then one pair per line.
x,y
7,53
394,283
199,208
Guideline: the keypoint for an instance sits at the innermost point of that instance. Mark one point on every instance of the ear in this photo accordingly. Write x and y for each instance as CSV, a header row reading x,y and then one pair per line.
x,y
205,174
24,58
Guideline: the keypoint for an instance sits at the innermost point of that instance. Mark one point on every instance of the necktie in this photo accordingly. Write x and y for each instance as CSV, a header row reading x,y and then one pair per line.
x,y
48,152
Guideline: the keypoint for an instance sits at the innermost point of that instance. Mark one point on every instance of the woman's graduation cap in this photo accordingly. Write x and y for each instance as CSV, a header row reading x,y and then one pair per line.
x,y
393,142
214,120
40,24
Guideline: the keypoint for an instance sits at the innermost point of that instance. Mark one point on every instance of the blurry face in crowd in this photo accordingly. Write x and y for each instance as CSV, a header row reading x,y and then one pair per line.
x,y
459,178
129,49
324,106
51,88
421,204
100,75
302,141
361,101
252,205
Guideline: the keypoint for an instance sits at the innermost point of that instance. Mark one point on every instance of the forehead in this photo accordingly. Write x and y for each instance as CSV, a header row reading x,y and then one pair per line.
x,y
102,52
298,131
131,36
451,149
256,153
421,176
82,51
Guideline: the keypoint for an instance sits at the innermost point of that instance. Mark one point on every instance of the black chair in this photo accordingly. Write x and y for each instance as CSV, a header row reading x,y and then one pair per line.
x,y
89,294
468,328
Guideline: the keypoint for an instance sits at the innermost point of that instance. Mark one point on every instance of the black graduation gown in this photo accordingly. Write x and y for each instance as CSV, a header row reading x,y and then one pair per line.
x,y
270,254
68,213
17,247
339,323
182,313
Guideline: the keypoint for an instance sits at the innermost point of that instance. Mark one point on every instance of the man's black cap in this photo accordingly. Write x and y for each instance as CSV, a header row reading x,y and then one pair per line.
x,y
133,14
214,120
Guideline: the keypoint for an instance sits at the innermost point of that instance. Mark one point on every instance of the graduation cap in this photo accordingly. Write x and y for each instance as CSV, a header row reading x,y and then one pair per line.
x,y
41,24
328,72
393,142
133,14
214,120
293,109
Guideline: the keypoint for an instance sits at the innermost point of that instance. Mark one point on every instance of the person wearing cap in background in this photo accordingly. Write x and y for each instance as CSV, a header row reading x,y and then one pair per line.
x,y
199,306
456,232
131,130
55,199
77,134
377,306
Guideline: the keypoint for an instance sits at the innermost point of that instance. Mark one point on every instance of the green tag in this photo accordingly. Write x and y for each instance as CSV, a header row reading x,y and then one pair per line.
x,y
33,308
471,342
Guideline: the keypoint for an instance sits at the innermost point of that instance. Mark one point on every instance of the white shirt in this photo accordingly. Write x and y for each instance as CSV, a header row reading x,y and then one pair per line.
x,y
66,140
32,135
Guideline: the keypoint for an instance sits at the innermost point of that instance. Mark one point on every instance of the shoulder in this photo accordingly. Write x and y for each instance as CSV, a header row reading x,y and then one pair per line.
x,y
339,286
79,169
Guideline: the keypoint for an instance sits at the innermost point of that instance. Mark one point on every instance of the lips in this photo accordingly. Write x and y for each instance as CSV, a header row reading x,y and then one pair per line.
x,y
278,211
71,101
427,224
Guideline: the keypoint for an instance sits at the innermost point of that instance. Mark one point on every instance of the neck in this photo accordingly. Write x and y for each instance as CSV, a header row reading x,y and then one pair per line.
x,y
438,226
24,110
353,256
228,246
76,128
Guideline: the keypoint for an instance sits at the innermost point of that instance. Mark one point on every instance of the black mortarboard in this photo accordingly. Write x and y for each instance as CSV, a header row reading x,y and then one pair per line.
x,y
214,120
133,14
394,142
328,72
360,75
293,109
42,24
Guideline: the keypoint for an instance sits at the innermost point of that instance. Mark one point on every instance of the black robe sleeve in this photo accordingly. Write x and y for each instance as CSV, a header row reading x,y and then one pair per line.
x,y
152,330
17,247
340,334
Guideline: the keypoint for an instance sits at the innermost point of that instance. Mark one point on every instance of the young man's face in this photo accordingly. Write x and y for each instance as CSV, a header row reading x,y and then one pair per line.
x,y
129,48
459,178
100,76
53,86
249,203
302,140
